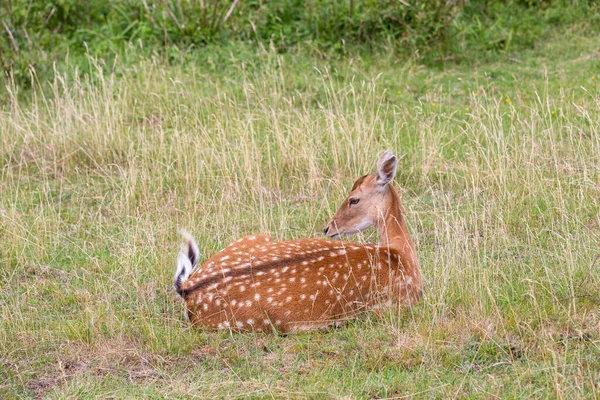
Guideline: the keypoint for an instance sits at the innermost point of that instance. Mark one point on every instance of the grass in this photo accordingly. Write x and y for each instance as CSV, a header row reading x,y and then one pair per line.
x,y
499,177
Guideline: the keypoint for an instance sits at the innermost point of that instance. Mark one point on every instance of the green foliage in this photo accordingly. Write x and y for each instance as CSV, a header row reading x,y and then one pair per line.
x,y
185,23
488,25
331,24
37,34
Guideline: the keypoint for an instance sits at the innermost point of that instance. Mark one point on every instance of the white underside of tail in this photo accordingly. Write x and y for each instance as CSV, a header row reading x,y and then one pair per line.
x,y
186,261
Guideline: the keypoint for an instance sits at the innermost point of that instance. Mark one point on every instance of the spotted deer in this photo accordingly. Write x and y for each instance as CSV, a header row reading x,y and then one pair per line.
x,y
259,284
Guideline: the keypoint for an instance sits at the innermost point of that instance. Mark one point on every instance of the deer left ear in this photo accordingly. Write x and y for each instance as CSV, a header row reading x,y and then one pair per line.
x,y
386,168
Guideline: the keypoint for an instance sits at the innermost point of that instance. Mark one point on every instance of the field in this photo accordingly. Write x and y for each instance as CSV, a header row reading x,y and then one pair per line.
x,y
499,177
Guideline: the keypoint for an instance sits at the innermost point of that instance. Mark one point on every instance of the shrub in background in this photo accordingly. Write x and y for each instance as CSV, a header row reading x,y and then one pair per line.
x,y
35,34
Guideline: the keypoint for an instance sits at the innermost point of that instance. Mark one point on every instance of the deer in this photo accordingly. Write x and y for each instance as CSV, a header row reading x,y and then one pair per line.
x,y
258,284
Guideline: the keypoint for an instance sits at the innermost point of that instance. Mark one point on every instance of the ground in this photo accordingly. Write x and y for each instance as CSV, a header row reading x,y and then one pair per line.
x,y
499,177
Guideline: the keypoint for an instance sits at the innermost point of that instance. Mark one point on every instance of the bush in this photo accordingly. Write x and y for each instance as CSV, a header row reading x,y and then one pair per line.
x,y
35,34
38,33
330,23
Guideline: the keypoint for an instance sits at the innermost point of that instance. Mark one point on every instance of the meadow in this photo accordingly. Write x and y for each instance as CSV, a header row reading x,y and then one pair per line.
x,y
499,177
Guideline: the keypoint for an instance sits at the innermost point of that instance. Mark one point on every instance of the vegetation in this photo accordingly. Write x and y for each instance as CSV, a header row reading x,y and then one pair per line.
x,y
37,35
104,162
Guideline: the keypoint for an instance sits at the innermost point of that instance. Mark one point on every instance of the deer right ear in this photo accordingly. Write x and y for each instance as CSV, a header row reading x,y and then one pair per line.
x,y
386,168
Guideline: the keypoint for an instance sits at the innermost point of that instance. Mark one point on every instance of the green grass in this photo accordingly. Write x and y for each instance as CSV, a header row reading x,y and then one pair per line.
x,y
499,177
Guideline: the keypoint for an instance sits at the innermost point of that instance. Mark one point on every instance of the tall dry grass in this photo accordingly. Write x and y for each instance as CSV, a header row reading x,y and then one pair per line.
x,y
501,192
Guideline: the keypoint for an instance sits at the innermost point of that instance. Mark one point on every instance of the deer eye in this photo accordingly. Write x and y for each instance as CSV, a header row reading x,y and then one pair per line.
x,y
353,201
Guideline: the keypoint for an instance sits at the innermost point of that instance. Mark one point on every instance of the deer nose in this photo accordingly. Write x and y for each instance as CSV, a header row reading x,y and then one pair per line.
x,y
326,229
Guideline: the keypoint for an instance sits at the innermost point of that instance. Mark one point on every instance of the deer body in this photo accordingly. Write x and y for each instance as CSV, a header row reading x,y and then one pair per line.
x,y
258,284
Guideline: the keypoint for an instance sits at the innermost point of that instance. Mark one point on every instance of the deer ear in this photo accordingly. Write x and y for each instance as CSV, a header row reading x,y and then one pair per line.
x,y
386,168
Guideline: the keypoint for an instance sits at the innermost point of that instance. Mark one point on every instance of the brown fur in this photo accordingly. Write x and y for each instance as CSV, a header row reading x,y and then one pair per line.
x,y
258,284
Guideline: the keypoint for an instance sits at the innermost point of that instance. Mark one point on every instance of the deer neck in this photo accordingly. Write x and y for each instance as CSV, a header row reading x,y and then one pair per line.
x,y
393,232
